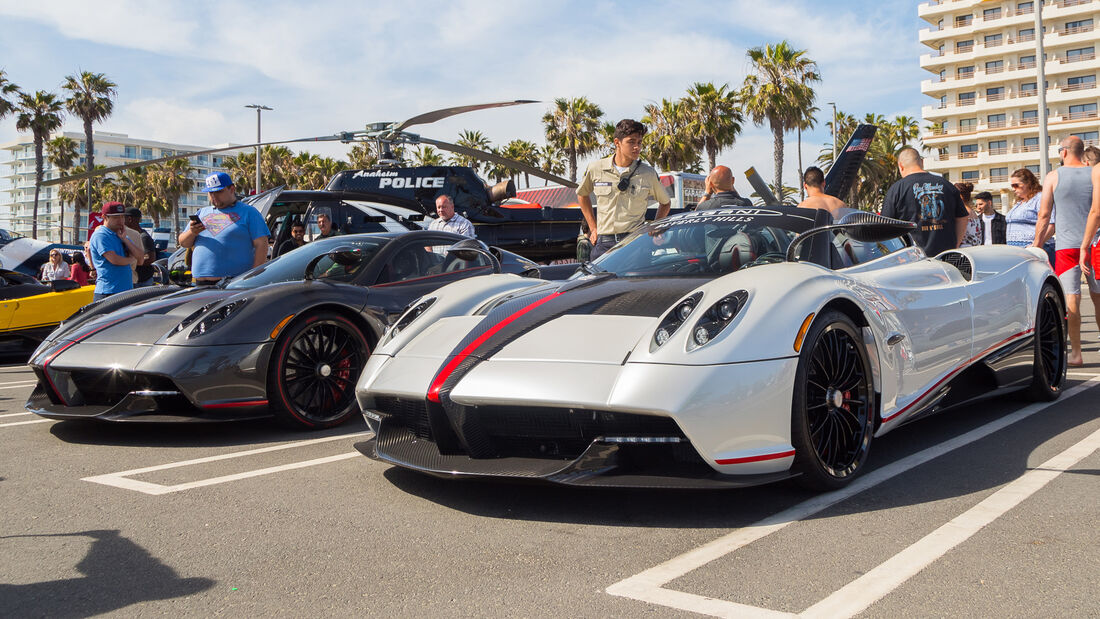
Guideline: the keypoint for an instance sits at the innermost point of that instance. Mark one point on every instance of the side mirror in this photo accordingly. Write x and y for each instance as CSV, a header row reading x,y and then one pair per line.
x,y
470,249
345,255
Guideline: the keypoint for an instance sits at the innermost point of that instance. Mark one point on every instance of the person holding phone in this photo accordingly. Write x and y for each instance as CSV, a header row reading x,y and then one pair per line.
x,y
113,253
228,237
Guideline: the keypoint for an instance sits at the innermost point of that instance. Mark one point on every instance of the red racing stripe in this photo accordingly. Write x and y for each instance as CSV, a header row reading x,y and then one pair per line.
x,y
761,458
437,384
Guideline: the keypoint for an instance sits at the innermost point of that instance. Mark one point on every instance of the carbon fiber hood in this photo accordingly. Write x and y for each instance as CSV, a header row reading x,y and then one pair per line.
x,y
147,322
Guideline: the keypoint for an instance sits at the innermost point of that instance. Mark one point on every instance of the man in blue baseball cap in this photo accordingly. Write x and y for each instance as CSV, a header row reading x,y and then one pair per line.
x,y
228,237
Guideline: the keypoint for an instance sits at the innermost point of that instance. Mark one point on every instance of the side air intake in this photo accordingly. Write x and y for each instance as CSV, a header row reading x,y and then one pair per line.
x,y
960,262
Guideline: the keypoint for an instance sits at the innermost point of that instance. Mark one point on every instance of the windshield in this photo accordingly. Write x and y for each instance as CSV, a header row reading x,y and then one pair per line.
x,y
713,242
291,266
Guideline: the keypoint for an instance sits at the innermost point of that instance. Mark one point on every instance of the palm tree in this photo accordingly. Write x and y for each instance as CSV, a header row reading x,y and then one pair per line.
x,y
713,117
573,126
475,140
551,160
62,153
667,144
169,180
7,89
905,128
74,192
242,169
40,114
522,151
774,92
91,98
428,155
362,156
607,140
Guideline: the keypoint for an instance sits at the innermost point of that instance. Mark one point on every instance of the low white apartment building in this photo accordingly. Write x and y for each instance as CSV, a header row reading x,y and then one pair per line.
x,y
17,179
984,65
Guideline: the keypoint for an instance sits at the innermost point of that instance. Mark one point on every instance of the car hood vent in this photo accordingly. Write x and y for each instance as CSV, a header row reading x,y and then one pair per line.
x,y
959,261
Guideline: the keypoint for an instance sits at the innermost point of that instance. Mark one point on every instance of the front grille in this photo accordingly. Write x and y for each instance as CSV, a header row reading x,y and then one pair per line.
x,y
960,262
109,387
413,414
544,432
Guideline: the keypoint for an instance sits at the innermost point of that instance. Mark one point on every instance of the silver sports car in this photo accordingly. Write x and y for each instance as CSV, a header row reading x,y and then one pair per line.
x,y
727,347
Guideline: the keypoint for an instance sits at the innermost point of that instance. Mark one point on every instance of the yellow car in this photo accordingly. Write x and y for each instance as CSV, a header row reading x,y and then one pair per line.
x,y
30,310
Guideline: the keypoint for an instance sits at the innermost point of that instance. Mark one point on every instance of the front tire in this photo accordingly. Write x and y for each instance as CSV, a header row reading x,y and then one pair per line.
x,y
1049,365
833,409
313,371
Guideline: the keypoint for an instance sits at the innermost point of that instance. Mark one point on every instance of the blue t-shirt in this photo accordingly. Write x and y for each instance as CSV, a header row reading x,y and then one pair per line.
x,y
110,278
225,247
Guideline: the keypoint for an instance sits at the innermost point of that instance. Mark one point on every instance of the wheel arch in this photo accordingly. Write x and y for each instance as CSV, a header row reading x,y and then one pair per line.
x,y
355,317
852,310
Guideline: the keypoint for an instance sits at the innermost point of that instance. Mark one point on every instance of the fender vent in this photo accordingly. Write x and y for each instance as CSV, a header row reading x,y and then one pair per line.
x,y
960,262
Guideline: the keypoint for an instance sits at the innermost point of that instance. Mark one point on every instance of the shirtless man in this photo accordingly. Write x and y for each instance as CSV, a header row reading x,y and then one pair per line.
x,y
814,182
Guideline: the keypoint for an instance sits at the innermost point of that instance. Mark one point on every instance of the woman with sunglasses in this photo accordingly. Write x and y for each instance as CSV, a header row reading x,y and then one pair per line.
x,y
1023,216
55,267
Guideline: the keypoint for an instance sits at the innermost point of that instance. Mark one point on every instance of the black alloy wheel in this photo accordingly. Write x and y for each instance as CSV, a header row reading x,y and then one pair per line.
x,y
833,409
1049,366
315,366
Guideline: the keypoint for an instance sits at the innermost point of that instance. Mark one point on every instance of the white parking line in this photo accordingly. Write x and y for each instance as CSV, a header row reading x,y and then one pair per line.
x,y
20,385
648,586
14,414
23,423
869,588
121,480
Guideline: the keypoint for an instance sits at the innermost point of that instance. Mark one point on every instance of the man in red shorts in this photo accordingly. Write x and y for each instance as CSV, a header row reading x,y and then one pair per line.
x,y
1069,190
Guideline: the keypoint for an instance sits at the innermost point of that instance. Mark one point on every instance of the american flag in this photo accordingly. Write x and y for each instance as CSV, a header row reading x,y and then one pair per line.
x,y
863,145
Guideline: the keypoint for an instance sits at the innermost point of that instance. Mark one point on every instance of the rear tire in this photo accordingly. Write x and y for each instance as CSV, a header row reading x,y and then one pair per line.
x,y
833,409
313,371
1049,365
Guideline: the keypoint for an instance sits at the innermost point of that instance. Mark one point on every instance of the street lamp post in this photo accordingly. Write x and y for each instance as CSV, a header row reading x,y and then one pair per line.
x,y
834,131
258,108
1041,85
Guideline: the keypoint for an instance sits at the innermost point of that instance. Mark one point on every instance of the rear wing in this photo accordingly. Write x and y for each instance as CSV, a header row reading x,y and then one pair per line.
x,y
845,169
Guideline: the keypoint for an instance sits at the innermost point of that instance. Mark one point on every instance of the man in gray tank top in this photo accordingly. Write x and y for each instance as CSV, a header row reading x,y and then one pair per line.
x,y
1069,190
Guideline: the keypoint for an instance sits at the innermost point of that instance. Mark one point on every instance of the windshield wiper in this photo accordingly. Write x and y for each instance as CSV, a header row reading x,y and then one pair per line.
x,y
592,268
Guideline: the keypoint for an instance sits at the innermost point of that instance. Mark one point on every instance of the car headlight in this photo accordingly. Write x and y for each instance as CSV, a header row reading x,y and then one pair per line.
x,y
215,318
411,314
192,317
673,319
716,318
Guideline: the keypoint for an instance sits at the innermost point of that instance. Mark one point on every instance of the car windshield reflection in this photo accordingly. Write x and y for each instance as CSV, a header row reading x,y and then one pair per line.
x,y
291,266
710,244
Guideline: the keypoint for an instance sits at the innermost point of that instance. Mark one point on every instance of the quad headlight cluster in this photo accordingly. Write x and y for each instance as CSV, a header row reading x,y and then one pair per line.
x,y
210,318
411,314
707,326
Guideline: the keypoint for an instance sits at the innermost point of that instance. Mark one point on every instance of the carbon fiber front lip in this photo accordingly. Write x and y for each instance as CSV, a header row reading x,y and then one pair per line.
x,y
394,444
137,406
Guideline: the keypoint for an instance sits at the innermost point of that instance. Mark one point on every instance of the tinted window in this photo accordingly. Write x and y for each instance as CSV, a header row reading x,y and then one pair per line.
x,y
291,267
426,260
853,252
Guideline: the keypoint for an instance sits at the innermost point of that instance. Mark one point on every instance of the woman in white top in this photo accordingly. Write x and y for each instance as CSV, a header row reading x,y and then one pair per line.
x,y
55,267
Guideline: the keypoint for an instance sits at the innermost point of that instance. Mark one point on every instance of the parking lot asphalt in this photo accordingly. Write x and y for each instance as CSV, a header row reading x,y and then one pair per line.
x,y
987,510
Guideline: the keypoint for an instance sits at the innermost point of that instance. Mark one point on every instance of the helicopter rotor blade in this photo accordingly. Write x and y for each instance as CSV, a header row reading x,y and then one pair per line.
x,y
141,164
431,117
511,163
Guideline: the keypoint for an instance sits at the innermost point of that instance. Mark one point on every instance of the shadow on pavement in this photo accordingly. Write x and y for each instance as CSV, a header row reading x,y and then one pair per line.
x,y
980,466
116,573
184,434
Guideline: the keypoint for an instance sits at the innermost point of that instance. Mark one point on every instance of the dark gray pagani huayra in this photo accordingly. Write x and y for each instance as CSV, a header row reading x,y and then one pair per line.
x,y
288,338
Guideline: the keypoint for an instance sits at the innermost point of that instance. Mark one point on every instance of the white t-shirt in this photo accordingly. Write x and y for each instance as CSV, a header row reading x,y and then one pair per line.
x,y
987,220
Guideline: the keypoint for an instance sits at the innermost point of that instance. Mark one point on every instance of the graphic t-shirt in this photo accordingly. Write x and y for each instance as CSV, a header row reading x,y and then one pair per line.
x,y
225,247
930,202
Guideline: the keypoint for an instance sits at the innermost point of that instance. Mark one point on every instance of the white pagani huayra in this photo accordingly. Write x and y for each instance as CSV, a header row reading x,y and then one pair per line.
x,y
726,347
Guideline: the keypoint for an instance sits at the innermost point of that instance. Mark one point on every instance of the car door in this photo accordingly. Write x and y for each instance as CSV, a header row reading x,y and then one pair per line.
x,y
928,310
418,267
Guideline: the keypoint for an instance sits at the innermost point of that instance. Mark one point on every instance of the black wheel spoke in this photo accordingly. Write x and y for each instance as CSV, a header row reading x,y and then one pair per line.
x,y
320,368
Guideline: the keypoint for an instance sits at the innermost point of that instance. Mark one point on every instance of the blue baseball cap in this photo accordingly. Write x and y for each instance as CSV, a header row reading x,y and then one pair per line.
x,y
217,182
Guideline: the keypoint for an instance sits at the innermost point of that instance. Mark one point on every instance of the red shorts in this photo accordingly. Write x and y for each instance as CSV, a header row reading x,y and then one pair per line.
x,y
1066,259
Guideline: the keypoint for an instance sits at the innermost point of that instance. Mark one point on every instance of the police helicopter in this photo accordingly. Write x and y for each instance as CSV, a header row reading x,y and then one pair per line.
x,y
392,196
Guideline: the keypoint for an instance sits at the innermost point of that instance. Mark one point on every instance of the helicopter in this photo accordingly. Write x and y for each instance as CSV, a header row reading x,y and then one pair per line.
x,y
393,196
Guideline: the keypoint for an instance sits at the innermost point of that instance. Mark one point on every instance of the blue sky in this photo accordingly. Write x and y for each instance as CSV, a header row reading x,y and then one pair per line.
x,y
186,69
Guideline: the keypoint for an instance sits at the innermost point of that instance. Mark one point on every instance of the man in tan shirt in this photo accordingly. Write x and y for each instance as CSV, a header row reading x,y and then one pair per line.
x,y
623,186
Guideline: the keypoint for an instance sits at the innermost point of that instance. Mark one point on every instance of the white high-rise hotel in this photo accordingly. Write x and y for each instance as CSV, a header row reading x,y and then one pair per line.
x,y
985,118
111,149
